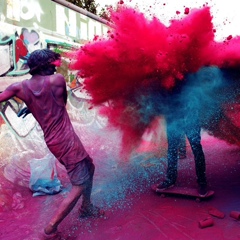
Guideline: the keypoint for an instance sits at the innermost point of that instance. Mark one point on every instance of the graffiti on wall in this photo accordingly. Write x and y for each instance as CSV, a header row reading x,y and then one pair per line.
x,y
14,51
27,25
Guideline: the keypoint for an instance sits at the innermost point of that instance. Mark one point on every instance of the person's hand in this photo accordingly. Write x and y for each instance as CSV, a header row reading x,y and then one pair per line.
x,y
23,112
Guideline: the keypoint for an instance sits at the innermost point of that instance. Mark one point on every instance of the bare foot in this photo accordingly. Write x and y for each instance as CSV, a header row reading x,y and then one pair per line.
x,y
50,229
90,211
51,236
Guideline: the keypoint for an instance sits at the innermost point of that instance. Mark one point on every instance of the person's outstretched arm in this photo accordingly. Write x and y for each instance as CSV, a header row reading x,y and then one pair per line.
x,y
10,92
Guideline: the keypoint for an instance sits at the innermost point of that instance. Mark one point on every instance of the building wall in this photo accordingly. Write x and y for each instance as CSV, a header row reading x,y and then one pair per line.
x,y
27,25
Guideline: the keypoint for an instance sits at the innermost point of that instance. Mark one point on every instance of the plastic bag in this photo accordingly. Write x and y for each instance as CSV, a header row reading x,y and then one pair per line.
x,y
17,170
43,178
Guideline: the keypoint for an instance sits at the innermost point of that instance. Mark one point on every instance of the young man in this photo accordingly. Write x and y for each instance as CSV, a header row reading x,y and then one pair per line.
x,y
45,96
192,129
182,115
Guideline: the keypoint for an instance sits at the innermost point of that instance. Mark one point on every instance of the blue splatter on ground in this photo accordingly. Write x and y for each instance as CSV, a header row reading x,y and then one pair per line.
x,y
114,182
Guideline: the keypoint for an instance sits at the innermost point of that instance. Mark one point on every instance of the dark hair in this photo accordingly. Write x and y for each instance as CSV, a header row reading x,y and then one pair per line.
x,y
39,59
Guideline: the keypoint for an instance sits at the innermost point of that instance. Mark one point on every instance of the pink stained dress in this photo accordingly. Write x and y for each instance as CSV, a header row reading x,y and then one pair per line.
x,y
53,118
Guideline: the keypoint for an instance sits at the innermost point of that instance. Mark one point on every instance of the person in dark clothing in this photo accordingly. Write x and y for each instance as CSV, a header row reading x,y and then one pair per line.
x,y
182,118
182,150
192,132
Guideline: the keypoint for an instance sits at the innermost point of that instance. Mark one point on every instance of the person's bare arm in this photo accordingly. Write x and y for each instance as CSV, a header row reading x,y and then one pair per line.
x,y
10,91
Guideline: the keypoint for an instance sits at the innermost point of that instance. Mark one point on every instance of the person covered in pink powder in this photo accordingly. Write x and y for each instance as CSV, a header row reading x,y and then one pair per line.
x,y
45,96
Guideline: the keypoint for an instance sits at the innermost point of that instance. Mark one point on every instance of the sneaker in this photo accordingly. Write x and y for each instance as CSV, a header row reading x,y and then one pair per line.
x,y
165,185
202,190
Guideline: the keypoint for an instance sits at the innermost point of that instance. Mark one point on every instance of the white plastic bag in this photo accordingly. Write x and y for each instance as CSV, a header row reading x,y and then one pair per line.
x,y
43,178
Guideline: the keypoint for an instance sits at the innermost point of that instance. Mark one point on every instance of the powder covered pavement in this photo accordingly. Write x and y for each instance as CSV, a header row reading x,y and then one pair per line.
x,y
133,211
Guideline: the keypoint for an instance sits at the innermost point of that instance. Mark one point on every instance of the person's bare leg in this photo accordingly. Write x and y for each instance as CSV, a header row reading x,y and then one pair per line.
x,y
88,209
86,195
65,208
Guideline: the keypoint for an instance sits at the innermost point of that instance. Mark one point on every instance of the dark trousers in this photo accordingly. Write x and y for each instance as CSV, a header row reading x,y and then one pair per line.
x,y
175,130
182,150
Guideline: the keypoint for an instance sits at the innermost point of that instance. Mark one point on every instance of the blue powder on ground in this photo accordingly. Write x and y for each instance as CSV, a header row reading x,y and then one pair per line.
x,y
114,183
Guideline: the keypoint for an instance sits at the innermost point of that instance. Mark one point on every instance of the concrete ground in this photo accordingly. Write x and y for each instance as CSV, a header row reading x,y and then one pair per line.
x,y
133,210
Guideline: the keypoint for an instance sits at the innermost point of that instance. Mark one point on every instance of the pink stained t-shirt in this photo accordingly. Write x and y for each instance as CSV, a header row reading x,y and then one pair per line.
x,y
53,118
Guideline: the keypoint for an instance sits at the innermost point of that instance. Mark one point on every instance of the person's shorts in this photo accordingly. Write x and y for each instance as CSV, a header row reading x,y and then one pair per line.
x,y
81,171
